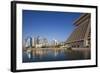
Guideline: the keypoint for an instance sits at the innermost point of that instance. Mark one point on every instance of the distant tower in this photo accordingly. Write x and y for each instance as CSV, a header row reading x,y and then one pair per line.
x,y
33,42
45,41
28,42
38,39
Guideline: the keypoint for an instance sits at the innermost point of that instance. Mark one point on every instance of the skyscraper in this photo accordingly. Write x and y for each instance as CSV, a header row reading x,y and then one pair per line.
x,y
28,42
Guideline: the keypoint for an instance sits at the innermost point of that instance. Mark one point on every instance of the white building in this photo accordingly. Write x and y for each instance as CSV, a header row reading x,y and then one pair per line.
x,y
39,42
28,42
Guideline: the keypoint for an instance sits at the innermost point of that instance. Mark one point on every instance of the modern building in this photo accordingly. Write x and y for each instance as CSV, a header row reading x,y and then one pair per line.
x,y
28,42
33,42
38,42
81,36
54,42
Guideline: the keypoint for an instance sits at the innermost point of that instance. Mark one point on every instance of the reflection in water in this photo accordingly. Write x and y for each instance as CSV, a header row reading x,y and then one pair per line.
x,y
55,54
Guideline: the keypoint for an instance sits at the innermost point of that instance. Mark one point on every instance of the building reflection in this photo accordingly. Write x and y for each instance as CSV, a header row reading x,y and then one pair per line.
x,y
55,53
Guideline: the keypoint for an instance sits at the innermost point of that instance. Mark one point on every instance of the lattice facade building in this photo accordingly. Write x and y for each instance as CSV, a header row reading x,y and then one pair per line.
x,y
80,37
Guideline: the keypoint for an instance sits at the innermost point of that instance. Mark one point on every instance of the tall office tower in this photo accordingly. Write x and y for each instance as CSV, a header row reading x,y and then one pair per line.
x,y
28,42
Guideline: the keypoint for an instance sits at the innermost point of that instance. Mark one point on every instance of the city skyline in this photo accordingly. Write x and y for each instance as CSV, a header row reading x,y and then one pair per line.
x,y
48,24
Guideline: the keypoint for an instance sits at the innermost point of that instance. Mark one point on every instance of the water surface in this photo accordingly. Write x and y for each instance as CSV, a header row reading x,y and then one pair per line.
x,y
40,55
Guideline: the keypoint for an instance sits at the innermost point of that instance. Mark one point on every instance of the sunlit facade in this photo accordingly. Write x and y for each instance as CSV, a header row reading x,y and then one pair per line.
x,y
80,37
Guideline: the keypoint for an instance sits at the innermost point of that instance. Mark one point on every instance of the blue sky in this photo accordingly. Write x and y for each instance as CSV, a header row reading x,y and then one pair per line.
x,y
48,24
